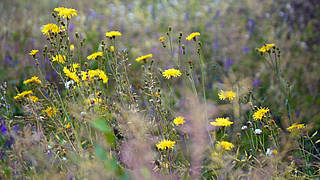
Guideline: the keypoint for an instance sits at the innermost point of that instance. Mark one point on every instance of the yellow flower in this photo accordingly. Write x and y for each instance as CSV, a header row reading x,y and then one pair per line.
x,y
33,98
95,101
33,52
295,127
192,35
221,122
94,73
46,29
50,111
94,55
165,144
226,95
66,12
260,113
68,126
71,47
113,34
84,75
34,79
111,48
225,145
161,39
171,73
59,58
74,67
71,75
23,94
265,48
178,120
143,58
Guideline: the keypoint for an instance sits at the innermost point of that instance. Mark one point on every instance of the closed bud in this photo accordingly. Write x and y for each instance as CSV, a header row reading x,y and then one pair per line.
x,y
77,35
169,29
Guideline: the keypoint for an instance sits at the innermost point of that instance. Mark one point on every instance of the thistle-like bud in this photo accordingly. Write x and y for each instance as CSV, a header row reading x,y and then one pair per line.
x,y
77,35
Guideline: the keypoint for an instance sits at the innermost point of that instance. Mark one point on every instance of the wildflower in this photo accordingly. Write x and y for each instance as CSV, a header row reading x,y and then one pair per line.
x,y
50,111
33,98
71,75
95,73
192,35
59,58
260,113
71,47
161,39
275,152
23,94
94,101
53,28
33,52
257,131
226,95
84,75
68,83
74,67
113,34
111,48
68,126
165,144
34,79
225,145
143,58
178,120
265,48
295,127
94,55
66,12
244,127
221,122
171,73
165,165
270,152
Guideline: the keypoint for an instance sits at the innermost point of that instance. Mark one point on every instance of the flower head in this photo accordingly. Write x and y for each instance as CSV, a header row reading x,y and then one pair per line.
x,y
94,56
33,98
22,94
178,120
66,12
111,48
113,34
34,79
143,58
225,145
226,95
224,122
295,127
171,73
260,113
257,131
33,52
53,28
50,111
161,39
71,47
165,144
91,74
71,75
192,35
59,58
74,67
265,48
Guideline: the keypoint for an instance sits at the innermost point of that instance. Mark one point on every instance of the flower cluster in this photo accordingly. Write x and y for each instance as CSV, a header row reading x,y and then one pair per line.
x,y
223,95
34,79
22,94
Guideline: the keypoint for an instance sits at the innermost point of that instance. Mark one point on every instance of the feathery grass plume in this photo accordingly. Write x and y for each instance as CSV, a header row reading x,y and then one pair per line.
x,y
23,94
33,52
171,73
260,113
178,120
94,56
192,36
34,79
143,58
224,122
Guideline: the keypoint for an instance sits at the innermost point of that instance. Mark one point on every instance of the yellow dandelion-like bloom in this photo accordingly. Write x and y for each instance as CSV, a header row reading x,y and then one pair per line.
x,y
192,35
84,75
178,120
68,126
260,113
74,67
171,73
224,122
95,101
50,111
59,58
95,73
33,98
265,48
33,52
71,47
94,56
71,75
226,95
161,39
22,94
143,58
34,79
113,34
111,48
66,12
165,144
225,145
46,29
295,127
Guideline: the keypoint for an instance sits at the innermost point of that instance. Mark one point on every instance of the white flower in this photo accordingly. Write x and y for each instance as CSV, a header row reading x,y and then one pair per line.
x,y
64,158
49,147
268,152
244,127
257,131
67,84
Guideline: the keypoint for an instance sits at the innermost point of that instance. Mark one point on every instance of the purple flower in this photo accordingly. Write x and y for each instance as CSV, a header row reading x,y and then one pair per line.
x,y
256,82
245,50
227,64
